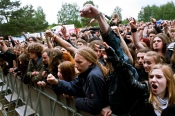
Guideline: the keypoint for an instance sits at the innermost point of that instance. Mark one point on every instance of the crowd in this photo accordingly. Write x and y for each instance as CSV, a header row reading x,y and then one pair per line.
x,y
122,70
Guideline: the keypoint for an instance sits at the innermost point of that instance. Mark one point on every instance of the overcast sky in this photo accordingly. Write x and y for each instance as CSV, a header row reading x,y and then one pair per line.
x,y
129,7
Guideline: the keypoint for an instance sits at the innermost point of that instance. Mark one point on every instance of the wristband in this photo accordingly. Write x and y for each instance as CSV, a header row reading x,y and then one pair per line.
x,y
134,30
98,15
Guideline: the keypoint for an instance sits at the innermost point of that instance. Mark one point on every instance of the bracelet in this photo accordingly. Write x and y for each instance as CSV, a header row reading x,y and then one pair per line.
x,y
134,30
98,15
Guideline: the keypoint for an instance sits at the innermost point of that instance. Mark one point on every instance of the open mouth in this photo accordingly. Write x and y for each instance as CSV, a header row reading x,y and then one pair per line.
x,y
154,86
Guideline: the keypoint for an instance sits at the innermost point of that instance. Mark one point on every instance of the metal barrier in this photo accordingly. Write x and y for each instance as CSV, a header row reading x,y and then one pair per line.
x,y
33,100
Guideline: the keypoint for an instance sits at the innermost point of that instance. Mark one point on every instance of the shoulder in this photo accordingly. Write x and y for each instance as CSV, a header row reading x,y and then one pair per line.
x,y
96,73
169,111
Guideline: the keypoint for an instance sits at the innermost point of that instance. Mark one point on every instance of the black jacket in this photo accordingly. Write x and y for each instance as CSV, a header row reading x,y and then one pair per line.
x,y
89,89
127,96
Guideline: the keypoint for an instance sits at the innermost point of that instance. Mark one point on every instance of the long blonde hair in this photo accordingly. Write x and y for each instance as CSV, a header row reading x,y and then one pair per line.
x,y
91,56
170,90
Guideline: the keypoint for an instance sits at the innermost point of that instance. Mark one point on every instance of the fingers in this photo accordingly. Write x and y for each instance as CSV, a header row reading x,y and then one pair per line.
x,y
106,45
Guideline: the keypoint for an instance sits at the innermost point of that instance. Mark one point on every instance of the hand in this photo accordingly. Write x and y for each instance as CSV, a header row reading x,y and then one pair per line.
x,y
23,33
49,33
89,11
63,30
164,24
153,21
34,73
132,22
41,83
51,79
43,73
106,111
116,29
11,70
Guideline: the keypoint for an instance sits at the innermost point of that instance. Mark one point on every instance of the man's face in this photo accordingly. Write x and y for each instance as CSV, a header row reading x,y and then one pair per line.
x,y
157,44
73,40
151,36
81,63
140,58
80,44
45,58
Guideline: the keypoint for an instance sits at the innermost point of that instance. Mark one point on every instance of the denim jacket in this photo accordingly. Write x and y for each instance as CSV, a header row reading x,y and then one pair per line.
x,y
113,40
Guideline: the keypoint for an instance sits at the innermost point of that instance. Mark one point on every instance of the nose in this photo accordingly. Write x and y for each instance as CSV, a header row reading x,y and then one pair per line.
x,y
76,65
153,79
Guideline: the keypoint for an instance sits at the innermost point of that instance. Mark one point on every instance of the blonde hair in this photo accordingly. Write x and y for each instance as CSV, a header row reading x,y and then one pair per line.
x,y
91,56
170,93
157,58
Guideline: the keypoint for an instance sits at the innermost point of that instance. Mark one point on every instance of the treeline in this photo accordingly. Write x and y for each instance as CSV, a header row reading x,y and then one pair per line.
x,y
165,12
15,19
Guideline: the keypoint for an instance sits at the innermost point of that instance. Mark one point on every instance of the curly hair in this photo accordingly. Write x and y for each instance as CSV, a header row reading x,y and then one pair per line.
x,y
35,48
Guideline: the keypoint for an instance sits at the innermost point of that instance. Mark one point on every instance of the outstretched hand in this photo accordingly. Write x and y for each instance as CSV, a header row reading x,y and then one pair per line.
x,y
132,22
89,11
48,33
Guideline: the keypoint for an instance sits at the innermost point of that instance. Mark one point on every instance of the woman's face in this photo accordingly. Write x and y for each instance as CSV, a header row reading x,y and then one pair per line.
x,y
157,44
59,74
158,83
148,63
81,63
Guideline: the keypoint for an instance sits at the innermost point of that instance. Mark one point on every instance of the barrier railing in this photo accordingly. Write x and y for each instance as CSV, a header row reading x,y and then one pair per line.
x,y
33,100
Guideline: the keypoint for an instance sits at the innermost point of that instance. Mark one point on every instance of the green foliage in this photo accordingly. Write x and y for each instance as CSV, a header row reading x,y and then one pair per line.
x,y
69,14
15,19
165,12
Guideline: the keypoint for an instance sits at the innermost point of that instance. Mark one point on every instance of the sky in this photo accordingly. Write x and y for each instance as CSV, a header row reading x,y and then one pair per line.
x,y
130,8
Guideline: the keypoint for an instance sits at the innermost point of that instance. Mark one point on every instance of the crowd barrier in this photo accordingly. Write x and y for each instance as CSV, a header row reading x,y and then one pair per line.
x,y
32,100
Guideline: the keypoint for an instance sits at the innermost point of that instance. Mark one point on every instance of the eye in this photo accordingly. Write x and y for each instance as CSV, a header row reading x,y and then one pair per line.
x,y
151,76
159,76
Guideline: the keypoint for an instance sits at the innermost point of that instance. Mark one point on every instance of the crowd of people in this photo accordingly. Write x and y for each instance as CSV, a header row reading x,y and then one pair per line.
x,y
122,70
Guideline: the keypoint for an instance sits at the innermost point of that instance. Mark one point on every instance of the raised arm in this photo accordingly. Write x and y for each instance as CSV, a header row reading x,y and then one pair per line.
x,y
61,42
89,11
123,43
109,36
49,44
135,35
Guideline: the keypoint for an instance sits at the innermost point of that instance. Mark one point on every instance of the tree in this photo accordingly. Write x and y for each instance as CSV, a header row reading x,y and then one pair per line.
x,y
69,14
40,18
24,19
7,8
168,11
118,11
86,21
145,14
165,12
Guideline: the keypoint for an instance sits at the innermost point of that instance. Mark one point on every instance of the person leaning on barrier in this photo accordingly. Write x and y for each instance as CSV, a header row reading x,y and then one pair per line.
x,y
55,57
89,87
7,56
119,101
35,66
